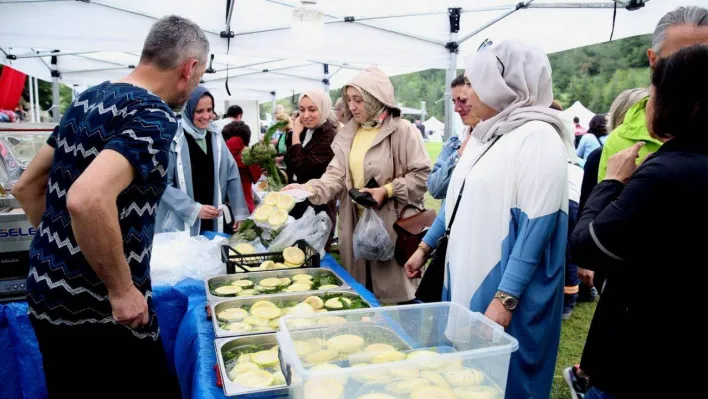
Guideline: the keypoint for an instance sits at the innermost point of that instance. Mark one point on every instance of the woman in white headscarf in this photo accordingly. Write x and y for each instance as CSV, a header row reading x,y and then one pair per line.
x,y
506,251
309,149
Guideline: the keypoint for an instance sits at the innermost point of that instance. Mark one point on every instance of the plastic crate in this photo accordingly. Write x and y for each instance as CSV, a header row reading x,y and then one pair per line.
x,y
434,350
237,262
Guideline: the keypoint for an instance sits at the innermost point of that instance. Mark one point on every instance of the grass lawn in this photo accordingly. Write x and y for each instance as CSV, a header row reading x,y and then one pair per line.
x,y
574,331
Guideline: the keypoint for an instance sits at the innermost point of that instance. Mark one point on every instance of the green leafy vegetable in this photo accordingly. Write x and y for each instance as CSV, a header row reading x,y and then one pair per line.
x,y
357,302
263,154
324,279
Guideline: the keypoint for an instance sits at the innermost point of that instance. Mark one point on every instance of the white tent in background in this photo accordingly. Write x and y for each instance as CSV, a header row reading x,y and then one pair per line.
x,y
579,110
435,128
253,37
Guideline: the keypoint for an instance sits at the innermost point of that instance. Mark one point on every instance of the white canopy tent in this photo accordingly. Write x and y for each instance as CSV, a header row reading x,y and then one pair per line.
x,y
400,35
579,110
435,128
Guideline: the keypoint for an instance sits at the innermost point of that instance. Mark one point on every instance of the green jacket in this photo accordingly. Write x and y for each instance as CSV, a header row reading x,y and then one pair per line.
x,y
631,131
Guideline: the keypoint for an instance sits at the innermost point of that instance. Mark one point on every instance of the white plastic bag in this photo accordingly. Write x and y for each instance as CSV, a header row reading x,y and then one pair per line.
x,y
371,240
177,256
310,227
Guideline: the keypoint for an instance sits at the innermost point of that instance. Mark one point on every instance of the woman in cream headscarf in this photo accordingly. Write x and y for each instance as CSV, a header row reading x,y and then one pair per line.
x,y
309,148
376,148
506,252
201,176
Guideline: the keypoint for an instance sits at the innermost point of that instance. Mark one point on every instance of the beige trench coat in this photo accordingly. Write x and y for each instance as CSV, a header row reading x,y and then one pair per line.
x,y
397,141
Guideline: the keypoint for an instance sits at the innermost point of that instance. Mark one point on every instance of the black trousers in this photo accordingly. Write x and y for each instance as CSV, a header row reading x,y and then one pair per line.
x,y
102,361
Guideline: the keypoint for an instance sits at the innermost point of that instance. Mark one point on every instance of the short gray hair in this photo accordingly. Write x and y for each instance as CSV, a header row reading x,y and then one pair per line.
x,y
622,104
688,15
172,40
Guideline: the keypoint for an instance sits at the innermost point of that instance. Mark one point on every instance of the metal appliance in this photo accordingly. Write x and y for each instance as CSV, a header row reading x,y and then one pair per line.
x,y
19,143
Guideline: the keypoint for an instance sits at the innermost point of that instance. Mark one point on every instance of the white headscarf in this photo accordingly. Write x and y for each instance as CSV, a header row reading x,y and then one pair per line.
x,y
514,79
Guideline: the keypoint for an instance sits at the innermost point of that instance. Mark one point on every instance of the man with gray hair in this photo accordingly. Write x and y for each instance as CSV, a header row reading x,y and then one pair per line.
x,y
678,29
92,192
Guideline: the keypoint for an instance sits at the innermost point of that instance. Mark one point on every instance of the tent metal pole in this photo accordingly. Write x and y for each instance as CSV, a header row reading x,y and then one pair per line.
x,y
274,103
55,91
325,79
31,98
96,70
451,73
52,54
518,7
101,61
340,65
574,5
335,72
37,108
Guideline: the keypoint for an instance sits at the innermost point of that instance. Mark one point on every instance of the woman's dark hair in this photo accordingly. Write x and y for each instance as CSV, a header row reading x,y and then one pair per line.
x,y
598,125
237,129
681,93
458,81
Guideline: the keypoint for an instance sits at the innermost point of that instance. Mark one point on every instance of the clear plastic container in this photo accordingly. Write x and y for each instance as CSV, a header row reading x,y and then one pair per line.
x,y
437,350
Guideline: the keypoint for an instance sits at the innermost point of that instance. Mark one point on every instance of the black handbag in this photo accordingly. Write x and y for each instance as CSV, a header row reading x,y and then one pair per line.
x,y
431,285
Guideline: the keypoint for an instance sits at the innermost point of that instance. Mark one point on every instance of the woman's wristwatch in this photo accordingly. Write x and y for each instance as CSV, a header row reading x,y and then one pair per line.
x,y
510,302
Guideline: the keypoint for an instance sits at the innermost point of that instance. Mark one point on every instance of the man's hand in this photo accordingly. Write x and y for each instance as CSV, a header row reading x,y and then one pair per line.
x,y
129,307
414,265
208,212
498,313
586,276
379,193
237,224
622,165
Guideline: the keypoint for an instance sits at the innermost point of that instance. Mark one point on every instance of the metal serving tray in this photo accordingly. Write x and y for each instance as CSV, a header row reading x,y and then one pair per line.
x,y
271,273
217,307
231,388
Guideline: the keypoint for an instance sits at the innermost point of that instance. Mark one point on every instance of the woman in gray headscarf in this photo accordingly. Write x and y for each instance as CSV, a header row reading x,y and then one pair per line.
x,y
202,173
506,252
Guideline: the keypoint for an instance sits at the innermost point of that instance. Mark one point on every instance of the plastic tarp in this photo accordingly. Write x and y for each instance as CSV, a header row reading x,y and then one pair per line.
x,y
579,110
187,335
399,35
21,362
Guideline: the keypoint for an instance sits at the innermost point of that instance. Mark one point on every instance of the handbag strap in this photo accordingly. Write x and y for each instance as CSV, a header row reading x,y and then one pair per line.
x,y
462,189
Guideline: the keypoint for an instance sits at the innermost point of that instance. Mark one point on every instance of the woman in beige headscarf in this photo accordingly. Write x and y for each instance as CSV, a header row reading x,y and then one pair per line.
x,y
309,148
375,148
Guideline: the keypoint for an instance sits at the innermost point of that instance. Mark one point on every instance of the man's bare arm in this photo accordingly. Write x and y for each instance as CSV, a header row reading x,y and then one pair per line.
x,y
91,202
31,190
94,218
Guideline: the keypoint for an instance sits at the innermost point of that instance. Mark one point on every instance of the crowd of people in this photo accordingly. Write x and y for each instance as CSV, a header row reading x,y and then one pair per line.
x,y
537,211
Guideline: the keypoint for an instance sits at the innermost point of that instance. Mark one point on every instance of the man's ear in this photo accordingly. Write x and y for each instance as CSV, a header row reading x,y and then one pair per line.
x,y
189,68
653,58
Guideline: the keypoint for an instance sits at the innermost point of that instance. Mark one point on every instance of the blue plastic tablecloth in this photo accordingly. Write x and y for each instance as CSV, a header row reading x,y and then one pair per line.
x,y
187,335
21,373
195,356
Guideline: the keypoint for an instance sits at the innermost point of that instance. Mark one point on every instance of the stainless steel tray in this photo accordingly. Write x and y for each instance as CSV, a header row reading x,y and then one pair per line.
x,y
231,388
216,307
261,275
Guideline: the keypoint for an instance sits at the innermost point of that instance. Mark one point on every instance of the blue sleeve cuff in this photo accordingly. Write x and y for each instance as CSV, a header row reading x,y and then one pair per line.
x,y
430,241
517,276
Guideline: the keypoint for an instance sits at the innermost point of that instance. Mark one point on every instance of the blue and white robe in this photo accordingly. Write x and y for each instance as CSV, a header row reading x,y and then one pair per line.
x,y
510,234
